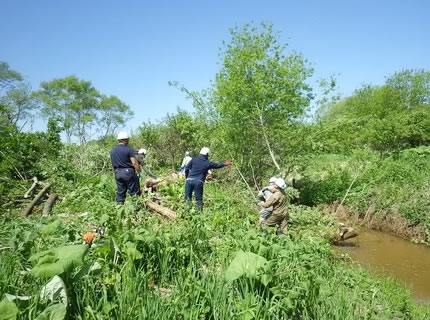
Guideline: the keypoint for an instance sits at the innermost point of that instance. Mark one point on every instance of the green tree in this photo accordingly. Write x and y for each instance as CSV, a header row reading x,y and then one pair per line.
x,y
170,138
75,102
259,93
112,113
17,104
385,118
8,77
16,98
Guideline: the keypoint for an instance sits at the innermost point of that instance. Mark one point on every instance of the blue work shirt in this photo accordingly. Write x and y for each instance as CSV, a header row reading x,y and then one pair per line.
x,y
120,156
197,168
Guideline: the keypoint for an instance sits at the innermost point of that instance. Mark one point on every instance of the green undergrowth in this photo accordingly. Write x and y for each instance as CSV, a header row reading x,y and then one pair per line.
x,y
397,185
215,264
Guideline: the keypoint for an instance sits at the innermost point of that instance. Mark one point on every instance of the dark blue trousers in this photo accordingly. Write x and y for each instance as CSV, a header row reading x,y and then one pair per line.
x,y
126,179
197,187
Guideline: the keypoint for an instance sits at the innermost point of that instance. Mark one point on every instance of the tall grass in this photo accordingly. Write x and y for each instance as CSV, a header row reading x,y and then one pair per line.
x,y
154,269
396,187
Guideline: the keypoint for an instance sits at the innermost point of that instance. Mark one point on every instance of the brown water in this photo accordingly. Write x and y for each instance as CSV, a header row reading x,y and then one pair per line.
x,y
405,261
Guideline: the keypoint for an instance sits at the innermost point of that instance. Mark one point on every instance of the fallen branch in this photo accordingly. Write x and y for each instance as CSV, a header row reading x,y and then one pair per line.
x,y
161,210
30,191
49,203
39,196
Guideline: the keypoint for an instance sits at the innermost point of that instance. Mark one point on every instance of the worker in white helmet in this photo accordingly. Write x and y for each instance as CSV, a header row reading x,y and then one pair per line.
x,y
187,158
265,194
279,201
126,168
140,156
196,171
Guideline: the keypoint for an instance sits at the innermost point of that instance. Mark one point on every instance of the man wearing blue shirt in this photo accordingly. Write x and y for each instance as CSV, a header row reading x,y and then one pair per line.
x,y
125,167
196,172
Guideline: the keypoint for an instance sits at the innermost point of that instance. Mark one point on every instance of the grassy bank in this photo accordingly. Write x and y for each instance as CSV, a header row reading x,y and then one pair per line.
x,y
389,193
215,265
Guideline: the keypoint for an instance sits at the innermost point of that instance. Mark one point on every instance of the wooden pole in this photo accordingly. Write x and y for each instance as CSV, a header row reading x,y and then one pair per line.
x,y
31,190
161,210
39,196
49,203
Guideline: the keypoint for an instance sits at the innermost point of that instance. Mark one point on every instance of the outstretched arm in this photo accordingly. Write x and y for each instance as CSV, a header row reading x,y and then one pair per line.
x,y
217,165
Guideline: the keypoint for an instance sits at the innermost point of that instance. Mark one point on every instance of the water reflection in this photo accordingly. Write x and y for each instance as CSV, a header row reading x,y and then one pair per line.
x,y
405,261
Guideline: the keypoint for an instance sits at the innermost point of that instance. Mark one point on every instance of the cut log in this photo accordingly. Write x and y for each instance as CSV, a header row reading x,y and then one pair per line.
x,y
161,210
27,211
151,184
344,234
49,203
349,234
30,191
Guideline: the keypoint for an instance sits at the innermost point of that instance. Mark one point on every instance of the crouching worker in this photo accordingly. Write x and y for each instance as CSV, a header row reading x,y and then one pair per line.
x,y
196,172
264,194
278,200
125,167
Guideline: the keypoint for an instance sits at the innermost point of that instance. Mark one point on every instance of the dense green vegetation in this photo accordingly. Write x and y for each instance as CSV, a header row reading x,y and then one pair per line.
x,y
216,265
369,152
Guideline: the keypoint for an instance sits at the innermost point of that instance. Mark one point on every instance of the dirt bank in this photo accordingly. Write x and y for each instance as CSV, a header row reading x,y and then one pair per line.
x,y
386,221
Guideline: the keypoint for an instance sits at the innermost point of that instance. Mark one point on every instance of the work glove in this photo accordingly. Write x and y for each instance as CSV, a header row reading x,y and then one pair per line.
x,y
228,162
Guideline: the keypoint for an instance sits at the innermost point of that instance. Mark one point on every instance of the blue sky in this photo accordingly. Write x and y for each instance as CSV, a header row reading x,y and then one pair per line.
x,y
133,48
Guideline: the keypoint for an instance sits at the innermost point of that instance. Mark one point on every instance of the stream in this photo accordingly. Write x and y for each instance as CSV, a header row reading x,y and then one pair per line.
x,y
390,255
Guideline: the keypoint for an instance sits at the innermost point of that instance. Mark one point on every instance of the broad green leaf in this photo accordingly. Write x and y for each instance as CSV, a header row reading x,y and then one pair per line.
x,y
87,269
55,312
58,260
245,264
50,228
132,252
55,291
8,310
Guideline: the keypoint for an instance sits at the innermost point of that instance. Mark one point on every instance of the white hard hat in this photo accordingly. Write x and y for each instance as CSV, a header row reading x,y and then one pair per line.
x,y
205,151
187,153
272,180
122,135
281,183
142,151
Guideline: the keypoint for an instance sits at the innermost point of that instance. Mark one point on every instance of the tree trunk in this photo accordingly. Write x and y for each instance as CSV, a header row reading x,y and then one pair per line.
x,y
39,196
266,140
31,190
49,203
161,210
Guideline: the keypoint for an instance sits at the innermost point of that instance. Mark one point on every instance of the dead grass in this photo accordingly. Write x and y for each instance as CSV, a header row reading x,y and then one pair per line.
x,y
388,220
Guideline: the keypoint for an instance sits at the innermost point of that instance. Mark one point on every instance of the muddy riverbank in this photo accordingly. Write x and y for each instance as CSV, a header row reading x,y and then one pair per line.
x,y
391,255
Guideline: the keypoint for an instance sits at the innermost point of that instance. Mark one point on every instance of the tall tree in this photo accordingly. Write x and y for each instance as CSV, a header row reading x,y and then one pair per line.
x,y
259,93
16,98
170,138
75,102
385,118
18,102
8,76
112,113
